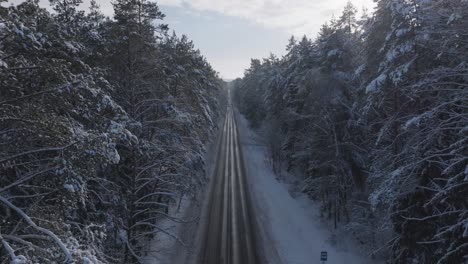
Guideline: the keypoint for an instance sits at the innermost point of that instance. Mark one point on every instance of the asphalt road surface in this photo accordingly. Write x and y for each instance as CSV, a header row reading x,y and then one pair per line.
x,y
228,235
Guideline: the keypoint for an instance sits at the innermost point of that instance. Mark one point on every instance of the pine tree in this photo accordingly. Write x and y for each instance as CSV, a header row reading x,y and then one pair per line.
x,y
84,165
347,20
373,116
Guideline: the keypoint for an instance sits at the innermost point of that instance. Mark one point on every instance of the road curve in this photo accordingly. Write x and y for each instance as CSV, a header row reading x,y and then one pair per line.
x,y
228,235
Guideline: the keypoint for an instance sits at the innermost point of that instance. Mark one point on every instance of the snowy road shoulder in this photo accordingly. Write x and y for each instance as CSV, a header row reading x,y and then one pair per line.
x,y
180,241
174,244
290,229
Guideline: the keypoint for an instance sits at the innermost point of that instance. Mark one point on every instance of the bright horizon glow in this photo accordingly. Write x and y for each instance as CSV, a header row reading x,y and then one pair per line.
x,y
229,33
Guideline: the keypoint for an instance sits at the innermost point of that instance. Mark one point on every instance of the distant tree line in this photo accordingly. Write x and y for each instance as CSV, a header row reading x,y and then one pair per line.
x,y
103,127
374,113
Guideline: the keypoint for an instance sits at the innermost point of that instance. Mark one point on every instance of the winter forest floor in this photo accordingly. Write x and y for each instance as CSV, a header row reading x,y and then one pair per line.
x,y
167,248
290,228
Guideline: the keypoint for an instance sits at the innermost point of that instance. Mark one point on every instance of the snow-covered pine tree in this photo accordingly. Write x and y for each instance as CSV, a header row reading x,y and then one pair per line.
x,y
429,211
90,161
381,105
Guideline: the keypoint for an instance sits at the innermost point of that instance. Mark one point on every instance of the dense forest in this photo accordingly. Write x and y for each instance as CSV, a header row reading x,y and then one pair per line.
x,y
373,114
103,127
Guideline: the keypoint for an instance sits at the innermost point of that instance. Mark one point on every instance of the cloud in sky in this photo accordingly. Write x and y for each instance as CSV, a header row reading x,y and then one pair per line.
x,y
294,16
231,32
228,42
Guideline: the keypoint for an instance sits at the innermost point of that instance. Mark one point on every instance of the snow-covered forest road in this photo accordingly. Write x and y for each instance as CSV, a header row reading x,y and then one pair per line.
x,y
350,145
227,235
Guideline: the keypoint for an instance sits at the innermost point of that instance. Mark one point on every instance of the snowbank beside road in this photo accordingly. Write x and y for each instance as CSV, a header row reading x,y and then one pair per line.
x,y
165,248
290,229
174,244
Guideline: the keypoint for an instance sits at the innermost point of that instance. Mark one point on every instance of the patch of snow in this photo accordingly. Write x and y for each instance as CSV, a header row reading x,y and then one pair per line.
x,y
400,7
396,52
114,156
389,35
161,250
20,29
20,259
415,120
116,128
207,113
70,187
376,83
412,121
401,32
79,132
123,237
71,47
391,55
87,261
106,101
94,34
397,75
181,116
426,36
381,134
3,64
333,52
360,70
386,192
396,173
32,38
453,18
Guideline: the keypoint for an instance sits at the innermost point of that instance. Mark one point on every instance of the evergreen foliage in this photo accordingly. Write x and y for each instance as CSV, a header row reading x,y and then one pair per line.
x,y
374,114
103,127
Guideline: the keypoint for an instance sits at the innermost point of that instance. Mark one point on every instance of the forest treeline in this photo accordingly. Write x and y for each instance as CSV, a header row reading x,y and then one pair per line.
x,y
374,114
103,128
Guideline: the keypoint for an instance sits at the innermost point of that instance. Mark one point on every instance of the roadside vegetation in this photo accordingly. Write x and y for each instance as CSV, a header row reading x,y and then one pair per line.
x,y
103,128
373,114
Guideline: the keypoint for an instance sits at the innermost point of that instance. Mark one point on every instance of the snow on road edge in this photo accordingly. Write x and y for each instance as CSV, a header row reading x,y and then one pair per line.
x,y
290,229
161,250
164,249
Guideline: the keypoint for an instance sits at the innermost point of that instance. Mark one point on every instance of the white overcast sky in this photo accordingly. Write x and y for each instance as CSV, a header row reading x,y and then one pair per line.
x,y
231,32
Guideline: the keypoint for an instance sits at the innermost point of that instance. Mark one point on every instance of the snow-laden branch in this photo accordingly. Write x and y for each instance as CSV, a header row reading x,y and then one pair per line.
x,y
432,216
68,256
8,248
18,239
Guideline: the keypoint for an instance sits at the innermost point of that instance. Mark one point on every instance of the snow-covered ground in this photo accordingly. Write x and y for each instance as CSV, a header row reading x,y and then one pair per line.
x,y
290,229
173,245
166,247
